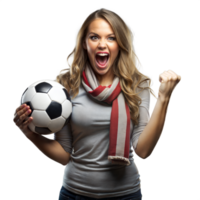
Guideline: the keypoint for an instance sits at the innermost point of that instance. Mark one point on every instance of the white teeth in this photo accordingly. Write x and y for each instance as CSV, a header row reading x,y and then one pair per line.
x,y
102,54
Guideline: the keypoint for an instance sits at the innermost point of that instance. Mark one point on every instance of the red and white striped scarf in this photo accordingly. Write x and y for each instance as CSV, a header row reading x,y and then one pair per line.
x,y
120,115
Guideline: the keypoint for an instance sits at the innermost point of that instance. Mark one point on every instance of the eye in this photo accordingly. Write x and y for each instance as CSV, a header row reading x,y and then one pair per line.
x,y
94,37
112,38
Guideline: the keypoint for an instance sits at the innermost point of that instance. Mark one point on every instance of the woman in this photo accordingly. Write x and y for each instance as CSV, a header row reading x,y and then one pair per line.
x,y
110,114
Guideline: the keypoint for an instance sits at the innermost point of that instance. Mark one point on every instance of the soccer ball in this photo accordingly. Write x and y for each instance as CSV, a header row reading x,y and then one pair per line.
x,y
50,104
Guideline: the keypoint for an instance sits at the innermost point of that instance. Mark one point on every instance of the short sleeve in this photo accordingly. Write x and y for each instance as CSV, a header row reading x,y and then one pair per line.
x,y
144,113
64,137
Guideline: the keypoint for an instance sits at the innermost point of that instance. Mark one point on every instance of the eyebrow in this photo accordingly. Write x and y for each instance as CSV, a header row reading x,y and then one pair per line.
x,y
98,35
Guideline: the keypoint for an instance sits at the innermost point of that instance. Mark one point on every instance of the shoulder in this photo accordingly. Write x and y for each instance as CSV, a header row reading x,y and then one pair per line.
x,y
144,83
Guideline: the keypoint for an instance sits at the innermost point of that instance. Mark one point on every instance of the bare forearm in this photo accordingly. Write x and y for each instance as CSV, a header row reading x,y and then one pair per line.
x,y
150,135
50,148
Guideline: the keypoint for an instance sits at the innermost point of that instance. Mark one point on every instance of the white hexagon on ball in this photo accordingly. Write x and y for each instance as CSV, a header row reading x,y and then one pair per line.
x,y
40,101
40,118
57,94
56,124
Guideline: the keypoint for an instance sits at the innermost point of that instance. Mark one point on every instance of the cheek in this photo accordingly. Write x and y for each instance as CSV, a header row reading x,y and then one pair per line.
x,y
115,49
90,50
90,47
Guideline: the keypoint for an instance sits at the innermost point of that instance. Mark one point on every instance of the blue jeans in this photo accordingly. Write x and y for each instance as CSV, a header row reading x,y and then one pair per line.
x,y
67,195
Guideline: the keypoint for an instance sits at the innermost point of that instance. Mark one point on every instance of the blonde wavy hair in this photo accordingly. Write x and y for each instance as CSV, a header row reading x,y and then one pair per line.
x,y
124,65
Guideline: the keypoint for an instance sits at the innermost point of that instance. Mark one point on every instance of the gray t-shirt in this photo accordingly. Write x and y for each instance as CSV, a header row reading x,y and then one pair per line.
x,y
86,138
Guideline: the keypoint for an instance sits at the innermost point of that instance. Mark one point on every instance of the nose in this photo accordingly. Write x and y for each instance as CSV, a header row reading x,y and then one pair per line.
x,y
102,44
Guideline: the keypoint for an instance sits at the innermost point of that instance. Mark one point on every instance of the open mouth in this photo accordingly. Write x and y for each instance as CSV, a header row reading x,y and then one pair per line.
x,y
102,59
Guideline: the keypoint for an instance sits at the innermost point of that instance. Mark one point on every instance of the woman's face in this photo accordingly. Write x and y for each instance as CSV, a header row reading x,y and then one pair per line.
x,y
102,47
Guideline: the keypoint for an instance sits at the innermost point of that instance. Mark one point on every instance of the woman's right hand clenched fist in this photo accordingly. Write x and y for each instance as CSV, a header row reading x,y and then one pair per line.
x,y
22,120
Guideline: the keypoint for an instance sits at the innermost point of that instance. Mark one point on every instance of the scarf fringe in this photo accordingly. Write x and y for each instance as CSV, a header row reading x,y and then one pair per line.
x,y
119,160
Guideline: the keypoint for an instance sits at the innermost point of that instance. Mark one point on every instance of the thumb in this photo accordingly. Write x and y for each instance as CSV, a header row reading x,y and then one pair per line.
x,y
159,79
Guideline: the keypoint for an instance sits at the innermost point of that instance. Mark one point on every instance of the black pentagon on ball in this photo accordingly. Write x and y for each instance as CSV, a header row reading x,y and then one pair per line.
x,y
67,94
28,103
54,110
42,130
43,87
